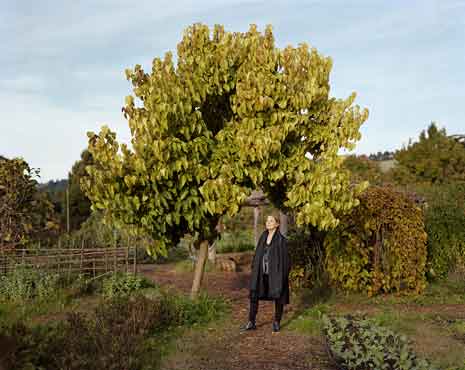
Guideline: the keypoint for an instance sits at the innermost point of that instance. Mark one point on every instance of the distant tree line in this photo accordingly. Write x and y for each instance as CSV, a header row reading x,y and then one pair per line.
x,y
434,158
381,156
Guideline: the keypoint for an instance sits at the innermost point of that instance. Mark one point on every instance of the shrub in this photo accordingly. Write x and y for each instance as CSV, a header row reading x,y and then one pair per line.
x,y
306,249
112,339
233,242
178,252
363,169
359,344
235,248
23,284
81,285
198,311
445,226
115,337
121,284
380,246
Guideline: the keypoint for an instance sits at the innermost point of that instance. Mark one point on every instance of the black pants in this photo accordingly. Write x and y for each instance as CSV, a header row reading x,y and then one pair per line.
x,y
278,307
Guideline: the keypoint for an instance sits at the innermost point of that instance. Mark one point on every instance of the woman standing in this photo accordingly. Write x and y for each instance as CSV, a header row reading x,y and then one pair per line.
x,y
269,280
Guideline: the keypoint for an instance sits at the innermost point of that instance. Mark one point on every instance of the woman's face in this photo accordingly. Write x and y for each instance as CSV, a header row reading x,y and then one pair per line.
x,y
271,223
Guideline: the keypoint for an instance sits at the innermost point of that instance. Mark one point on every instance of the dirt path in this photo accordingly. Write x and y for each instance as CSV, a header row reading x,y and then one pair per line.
x,y
223,346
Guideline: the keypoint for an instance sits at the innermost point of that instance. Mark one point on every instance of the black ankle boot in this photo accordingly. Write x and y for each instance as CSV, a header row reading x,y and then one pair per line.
x,y
249,326
276,326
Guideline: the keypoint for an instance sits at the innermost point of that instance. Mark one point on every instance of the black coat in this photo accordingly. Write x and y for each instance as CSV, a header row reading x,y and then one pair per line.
x,y
279,268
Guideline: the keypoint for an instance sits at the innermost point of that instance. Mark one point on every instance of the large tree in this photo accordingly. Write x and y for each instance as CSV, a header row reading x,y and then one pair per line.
x,y
79,204
26,213
435,158
234,114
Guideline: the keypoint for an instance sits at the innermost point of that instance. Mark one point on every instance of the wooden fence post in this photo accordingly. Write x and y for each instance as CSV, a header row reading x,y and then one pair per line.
x,y
3,260
126,257
37,264
82,256
114,260
58,256
105,256
135,260
70,256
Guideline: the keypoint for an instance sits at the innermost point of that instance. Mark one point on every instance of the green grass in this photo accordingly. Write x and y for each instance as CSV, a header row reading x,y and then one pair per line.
x,y
401,322
29,310
458,327
309,321
441,292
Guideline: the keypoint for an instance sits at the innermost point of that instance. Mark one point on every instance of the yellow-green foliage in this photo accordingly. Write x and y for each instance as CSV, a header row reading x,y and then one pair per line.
x,y
380,246
234,114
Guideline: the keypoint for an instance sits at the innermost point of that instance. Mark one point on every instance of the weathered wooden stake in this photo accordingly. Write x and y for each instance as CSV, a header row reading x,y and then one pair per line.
x,y
199,269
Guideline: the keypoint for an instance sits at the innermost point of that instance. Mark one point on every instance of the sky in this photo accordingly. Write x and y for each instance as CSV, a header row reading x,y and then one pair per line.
x,y
62,64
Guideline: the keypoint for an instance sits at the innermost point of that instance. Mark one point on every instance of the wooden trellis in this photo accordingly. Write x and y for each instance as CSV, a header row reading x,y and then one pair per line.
x,y
92,261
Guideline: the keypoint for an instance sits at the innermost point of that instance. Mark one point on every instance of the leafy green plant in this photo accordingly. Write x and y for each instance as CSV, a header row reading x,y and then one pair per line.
x,y
23,284
82,285
360,344
46,285
122,284
199,311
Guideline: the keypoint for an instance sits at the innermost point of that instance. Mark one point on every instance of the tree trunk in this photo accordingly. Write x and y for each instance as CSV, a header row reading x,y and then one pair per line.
x,y
199,269
283,228
212,252
256,214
